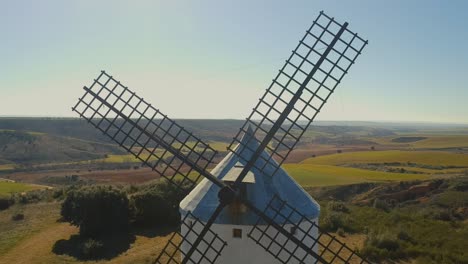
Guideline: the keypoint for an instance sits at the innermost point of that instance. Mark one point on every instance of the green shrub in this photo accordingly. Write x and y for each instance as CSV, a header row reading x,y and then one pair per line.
x,y
380,204
332,221
157,204
443,215
96,210
5,202
151,208
34,196
340,232
381,246
17,217
58,194
92,249
337,207
403,235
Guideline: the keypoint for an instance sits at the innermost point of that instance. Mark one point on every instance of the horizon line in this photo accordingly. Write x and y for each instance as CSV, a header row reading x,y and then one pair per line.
x,y
243,119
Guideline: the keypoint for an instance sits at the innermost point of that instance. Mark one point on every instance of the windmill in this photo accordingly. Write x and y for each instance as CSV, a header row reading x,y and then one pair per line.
x,y
280,231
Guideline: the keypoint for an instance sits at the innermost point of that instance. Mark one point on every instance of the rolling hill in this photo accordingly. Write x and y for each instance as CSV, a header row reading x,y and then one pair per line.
x,y
19,148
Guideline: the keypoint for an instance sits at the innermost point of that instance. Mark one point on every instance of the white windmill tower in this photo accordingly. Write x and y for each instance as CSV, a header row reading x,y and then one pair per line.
x,y
235,221
248,189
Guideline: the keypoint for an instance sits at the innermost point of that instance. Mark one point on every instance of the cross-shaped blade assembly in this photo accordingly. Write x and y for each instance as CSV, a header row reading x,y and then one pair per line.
x,y
144,131
285,111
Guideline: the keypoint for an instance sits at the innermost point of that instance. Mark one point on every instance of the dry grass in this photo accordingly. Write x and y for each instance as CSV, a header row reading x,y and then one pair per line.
x,y
352,241
36,218
32,240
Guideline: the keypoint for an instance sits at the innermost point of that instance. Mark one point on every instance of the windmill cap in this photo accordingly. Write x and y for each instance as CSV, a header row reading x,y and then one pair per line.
x,y
260,188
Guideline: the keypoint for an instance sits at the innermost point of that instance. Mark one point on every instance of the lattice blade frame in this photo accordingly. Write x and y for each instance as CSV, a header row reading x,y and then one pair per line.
x,y
144,131
327,248
206,252
295,77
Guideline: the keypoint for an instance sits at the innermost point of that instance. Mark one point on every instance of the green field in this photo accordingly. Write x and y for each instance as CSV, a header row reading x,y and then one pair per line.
x,y
442,142
431,141
7,188
392,156
344,168
325,175
120,159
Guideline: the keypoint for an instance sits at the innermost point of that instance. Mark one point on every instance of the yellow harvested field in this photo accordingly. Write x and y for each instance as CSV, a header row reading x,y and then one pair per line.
x,y
7,167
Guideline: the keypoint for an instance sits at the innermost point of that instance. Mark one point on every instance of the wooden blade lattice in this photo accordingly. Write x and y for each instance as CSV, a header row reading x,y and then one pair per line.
x,y
144,131
326,247
313,71
207,251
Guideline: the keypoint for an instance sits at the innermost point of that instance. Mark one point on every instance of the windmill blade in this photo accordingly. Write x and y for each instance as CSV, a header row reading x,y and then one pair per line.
x,y
299,91
175,251
304,242
161,144
145,132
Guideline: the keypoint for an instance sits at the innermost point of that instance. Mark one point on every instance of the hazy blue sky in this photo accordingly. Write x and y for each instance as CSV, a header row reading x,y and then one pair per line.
x,y
213,59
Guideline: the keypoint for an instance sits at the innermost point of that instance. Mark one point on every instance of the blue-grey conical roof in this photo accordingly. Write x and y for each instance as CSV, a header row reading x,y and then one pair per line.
x,y
260,188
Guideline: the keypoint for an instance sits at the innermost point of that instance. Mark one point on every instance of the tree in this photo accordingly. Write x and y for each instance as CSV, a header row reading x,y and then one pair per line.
x,y
5,202
158,204
96,210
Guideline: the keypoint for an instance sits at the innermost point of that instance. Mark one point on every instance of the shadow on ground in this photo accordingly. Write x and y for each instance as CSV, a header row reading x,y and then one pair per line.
x,y
152,232
100,248
107,247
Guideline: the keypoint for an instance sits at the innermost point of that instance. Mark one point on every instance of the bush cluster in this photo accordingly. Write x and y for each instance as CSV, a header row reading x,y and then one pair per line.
x,y
92,249
337,207
381,204
335,218
102,210
5,202
157,204
17,217
96,210
34,196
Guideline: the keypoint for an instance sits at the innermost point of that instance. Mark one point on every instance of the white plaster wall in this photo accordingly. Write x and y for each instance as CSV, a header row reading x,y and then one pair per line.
x,y
244,250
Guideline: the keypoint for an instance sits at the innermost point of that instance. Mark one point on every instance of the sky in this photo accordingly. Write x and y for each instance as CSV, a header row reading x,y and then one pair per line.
x,y
214,59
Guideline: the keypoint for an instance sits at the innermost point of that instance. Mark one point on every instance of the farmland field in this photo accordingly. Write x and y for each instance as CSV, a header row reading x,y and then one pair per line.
x,y
7,188
393,156
324,175
336,160
374,166
429,141
7,167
